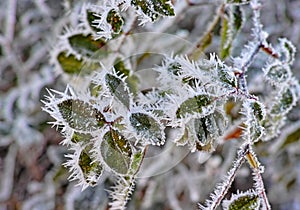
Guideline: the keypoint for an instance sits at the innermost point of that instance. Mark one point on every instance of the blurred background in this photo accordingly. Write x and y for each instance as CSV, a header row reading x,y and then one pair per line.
x,y
31,175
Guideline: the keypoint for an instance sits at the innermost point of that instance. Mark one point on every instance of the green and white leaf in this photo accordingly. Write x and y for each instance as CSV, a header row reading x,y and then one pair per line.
x,y
197,106
149,129
119,89
153,9
288,51
115,20
285,100
81,116
227,77
71,64
116,152
242,201
255,114
91,169
85,45
277,73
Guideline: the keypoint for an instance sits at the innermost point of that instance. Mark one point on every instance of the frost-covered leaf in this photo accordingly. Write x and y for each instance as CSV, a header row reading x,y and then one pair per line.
x,y
115,20
80,115
273,125
148,128
118,88
201,105
91,169
104,21
154,9
204,128
116,151
285,102
120,193
85,45
288,51
277,73
207,131
227,77
258,110
243,201
255,114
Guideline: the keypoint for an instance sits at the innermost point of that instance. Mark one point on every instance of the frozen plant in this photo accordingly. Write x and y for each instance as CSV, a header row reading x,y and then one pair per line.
x,y
109,123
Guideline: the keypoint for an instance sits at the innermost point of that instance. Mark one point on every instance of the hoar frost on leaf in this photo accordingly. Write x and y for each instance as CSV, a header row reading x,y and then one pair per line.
x,y
83,168
147,127
248,200
116,151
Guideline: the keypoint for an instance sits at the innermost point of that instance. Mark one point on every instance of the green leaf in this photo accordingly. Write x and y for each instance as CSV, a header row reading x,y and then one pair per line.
x,y
285,102
201,105
278,73
245,202
289,51
225,45
147,128
227,77
71,65
116,151
85,45
91,169
80,115
154,9
119,89
163,7
115,20
207,130
202,132
258,110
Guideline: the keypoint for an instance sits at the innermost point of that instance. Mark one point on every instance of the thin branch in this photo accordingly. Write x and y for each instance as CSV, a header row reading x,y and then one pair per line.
x,y
221,189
